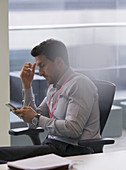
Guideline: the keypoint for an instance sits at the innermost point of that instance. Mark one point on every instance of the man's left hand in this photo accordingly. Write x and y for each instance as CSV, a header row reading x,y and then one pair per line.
x,y
26,113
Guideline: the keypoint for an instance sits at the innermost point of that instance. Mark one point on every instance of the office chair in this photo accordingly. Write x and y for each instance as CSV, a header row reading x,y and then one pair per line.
x,y
106,91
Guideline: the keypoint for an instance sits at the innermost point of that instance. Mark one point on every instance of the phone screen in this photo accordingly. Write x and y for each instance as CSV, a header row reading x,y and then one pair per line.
x,y
11,106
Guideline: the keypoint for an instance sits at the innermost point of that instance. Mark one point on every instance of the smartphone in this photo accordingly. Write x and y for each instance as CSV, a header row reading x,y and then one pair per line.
x,y
11,106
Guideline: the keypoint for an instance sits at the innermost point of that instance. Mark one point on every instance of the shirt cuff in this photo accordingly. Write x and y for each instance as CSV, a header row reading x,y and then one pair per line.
x,y
45,122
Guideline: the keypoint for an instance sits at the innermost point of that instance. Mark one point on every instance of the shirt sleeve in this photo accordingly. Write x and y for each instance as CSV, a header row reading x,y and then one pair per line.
x,y
28,100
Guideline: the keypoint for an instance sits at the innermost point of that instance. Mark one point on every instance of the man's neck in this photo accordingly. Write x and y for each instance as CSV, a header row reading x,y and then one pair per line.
x,y
61,73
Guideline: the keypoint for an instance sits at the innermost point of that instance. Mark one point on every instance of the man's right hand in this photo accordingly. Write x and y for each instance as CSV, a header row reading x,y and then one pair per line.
x,y
27,74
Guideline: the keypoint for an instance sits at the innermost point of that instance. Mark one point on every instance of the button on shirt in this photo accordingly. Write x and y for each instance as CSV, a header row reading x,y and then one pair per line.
x,y
76,116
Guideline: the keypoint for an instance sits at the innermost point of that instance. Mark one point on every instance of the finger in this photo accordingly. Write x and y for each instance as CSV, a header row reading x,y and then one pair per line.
x,y
33,68
26,69
28,65
25,107
17,111
20,116
25,73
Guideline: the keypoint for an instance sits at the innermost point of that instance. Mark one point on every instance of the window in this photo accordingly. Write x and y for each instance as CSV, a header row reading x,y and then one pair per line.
x,y
93,31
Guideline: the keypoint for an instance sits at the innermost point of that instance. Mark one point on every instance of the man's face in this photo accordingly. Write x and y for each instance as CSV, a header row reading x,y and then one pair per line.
x,y
47,68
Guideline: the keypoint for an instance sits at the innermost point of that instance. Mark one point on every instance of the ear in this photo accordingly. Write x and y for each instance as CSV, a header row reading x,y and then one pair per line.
x,y
59,61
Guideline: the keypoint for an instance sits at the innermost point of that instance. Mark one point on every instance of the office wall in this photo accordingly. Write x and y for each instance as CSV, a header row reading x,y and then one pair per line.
x,y
4,74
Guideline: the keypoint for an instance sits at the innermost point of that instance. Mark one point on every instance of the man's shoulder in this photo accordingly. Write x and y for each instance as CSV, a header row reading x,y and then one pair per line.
x,y
82,81
81,77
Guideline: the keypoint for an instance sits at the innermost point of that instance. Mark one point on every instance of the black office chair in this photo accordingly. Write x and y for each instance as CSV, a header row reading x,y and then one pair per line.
x,y
106,91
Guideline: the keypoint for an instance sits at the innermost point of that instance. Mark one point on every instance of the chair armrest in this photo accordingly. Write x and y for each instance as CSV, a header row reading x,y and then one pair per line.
x,y
96,142
96,145
25,131
32,133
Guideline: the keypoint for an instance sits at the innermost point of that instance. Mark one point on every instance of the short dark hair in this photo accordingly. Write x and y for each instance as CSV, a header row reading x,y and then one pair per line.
x,y
51,48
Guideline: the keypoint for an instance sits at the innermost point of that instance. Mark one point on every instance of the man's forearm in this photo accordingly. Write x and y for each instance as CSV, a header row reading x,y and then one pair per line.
x,y
26,86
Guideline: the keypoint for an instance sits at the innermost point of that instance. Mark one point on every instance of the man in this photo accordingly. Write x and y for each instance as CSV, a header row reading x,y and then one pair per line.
x,y
69,112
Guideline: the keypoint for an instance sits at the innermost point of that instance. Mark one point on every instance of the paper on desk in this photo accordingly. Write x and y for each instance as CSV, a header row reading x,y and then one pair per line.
x,y
45,162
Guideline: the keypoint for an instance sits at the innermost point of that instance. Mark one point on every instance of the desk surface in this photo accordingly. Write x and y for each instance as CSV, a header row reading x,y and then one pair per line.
x,y
105,161
109,161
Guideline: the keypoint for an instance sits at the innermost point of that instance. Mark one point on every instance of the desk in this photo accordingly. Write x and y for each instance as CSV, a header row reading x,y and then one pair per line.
x,y
102,161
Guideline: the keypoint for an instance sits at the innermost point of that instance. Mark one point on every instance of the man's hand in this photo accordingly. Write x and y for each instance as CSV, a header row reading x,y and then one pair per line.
x,y
26,113
27,74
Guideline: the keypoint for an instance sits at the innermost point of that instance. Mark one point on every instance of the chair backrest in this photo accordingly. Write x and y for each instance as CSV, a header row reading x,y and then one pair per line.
x,y
106,91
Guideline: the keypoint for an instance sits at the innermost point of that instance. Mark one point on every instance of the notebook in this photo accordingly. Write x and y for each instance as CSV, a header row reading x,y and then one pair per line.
x,y
45,162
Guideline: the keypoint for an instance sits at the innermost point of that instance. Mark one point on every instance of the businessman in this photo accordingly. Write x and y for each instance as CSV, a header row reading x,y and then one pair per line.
x,y
69,112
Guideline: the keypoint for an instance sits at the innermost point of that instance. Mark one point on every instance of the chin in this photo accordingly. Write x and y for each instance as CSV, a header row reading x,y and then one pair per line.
x,y
49,82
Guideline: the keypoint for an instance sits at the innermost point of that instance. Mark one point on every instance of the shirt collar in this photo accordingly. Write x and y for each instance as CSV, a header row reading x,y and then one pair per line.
x,y
63,78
